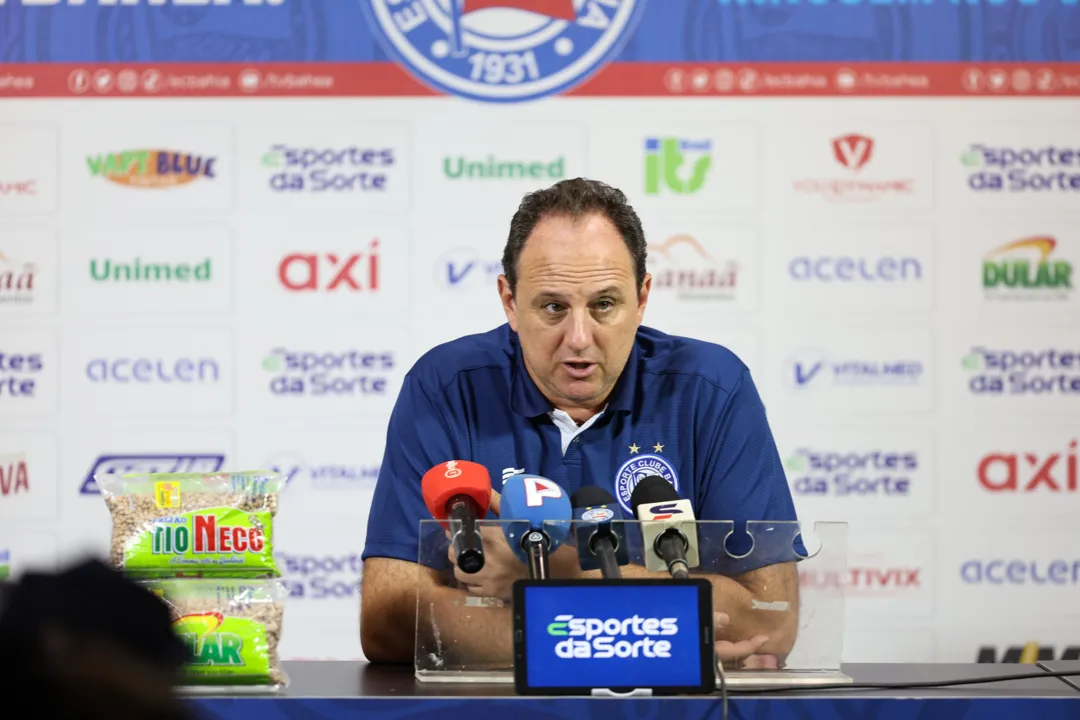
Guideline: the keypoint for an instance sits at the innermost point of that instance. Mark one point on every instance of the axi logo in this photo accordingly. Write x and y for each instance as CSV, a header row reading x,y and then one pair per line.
x,y
813,367
683,267
330,272
464,268
853,152
149,463
146,371
858,474
319,170
16,281
1029,472
1023,270
18,374
611,637
1020,572
1006,169
492,168
152,168
321,577
352,372
14,475
664,159
1027,372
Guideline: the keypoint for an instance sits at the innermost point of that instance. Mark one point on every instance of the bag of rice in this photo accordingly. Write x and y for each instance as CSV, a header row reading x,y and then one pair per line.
x,y
231,627
193,524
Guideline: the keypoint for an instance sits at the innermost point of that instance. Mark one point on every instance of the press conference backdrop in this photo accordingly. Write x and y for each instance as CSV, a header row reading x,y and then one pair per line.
x,y
228,229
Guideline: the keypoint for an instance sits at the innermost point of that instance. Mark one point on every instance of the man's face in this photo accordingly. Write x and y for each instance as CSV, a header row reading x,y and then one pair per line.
x,y
576,309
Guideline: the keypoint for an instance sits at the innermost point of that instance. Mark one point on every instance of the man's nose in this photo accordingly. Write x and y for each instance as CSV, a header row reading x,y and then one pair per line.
x,y
579,334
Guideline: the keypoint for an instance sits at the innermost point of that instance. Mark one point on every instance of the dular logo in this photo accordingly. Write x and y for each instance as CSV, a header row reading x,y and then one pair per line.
x,y
1025,270
503,50
452,470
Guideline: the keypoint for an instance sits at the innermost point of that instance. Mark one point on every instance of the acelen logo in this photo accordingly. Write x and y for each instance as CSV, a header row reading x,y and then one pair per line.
x,y
867,581
854,154
1024,270
149,463
682,266
14,475
18,374
875,473
1000,571
20,187
145,370
16,281
328,170
1043,169
352,372
1029,472
152,168
831,269
1024,372
331,272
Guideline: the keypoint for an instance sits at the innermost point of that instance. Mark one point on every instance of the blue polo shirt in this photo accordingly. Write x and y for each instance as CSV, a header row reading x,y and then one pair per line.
x,y
684,409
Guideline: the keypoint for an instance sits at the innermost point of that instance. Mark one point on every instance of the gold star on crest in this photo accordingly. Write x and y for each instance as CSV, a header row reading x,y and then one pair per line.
x,y
634,448
658,447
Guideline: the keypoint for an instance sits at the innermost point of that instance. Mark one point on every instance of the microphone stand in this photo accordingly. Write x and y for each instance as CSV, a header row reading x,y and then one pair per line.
x,y
536,548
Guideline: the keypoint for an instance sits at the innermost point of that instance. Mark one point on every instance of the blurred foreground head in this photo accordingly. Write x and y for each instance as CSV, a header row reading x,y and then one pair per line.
x,y
88,643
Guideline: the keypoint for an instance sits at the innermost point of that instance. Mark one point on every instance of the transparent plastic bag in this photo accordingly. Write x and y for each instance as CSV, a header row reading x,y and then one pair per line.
x,y
231,627
193,524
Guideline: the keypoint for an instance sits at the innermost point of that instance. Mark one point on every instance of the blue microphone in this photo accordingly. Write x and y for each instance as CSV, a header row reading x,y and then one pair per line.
x,y
541,513
599,544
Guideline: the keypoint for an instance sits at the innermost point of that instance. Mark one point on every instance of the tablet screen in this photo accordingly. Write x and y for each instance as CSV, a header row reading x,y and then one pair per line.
x,y
613,635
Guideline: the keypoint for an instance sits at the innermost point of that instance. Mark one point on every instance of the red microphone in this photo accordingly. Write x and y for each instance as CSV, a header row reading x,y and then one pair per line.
x,y
459,491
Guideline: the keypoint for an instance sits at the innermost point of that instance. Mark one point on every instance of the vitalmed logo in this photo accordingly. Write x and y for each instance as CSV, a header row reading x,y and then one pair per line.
x,y
353,169
149,463
678,166
331,272
681,266
1025,270
14,475
330,476
349,373
16,280
466,269
1023,372
1015,571
1029,472
1045,169
854,154
19,373
827,473
152,168
853,270
154,370
813,368
602,638
321,577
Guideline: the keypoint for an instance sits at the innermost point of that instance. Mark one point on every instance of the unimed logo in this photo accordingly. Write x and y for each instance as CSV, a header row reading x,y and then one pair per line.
x,y
1029,472
611,637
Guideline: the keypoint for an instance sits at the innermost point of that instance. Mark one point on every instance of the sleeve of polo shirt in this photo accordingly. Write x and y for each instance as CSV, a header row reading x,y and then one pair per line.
x,y
418,438
742,476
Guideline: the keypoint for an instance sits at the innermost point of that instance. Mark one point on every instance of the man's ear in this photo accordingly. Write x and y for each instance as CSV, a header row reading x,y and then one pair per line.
x,y
643,297
506,295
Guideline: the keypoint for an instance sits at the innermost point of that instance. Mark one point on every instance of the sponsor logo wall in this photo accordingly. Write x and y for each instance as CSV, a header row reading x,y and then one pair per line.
x,y
226,285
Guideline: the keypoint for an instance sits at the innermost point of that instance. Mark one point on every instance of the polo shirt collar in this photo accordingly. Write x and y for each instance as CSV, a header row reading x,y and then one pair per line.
x,y
527,400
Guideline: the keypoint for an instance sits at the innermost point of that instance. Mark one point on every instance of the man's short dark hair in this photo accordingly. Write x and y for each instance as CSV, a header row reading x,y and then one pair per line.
x,y
575,198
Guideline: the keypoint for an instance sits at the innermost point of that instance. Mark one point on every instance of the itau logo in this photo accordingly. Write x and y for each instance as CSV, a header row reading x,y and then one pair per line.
x,y
503,50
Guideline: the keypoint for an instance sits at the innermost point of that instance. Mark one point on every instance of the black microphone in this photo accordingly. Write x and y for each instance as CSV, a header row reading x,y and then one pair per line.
x,y
599,544
668,531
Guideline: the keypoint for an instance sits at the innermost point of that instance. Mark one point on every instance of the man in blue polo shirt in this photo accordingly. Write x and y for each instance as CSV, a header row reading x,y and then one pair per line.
x,y
575,389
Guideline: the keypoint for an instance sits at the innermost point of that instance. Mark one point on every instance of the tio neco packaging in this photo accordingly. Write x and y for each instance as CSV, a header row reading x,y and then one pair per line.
x,y
203,543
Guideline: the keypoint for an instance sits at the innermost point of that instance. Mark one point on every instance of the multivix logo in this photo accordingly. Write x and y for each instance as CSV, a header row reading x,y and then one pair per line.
x,y
600,639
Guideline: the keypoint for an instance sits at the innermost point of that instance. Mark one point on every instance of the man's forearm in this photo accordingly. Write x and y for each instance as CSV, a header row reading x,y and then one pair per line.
x,y
771,611
464,631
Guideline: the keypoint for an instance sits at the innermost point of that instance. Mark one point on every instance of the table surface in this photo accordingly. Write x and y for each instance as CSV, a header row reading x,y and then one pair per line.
x,y
1065,666
315,679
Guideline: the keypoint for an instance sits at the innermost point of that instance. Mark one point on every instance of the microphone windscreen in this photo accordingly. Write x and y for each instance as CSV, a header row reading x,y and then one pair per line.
x,y
535,500
650,490
456,477
591,495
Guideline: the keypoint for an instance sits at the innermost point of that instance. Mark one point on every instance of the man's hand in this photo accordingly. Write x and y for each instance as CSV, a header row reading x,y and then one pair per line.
x,y
742,654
